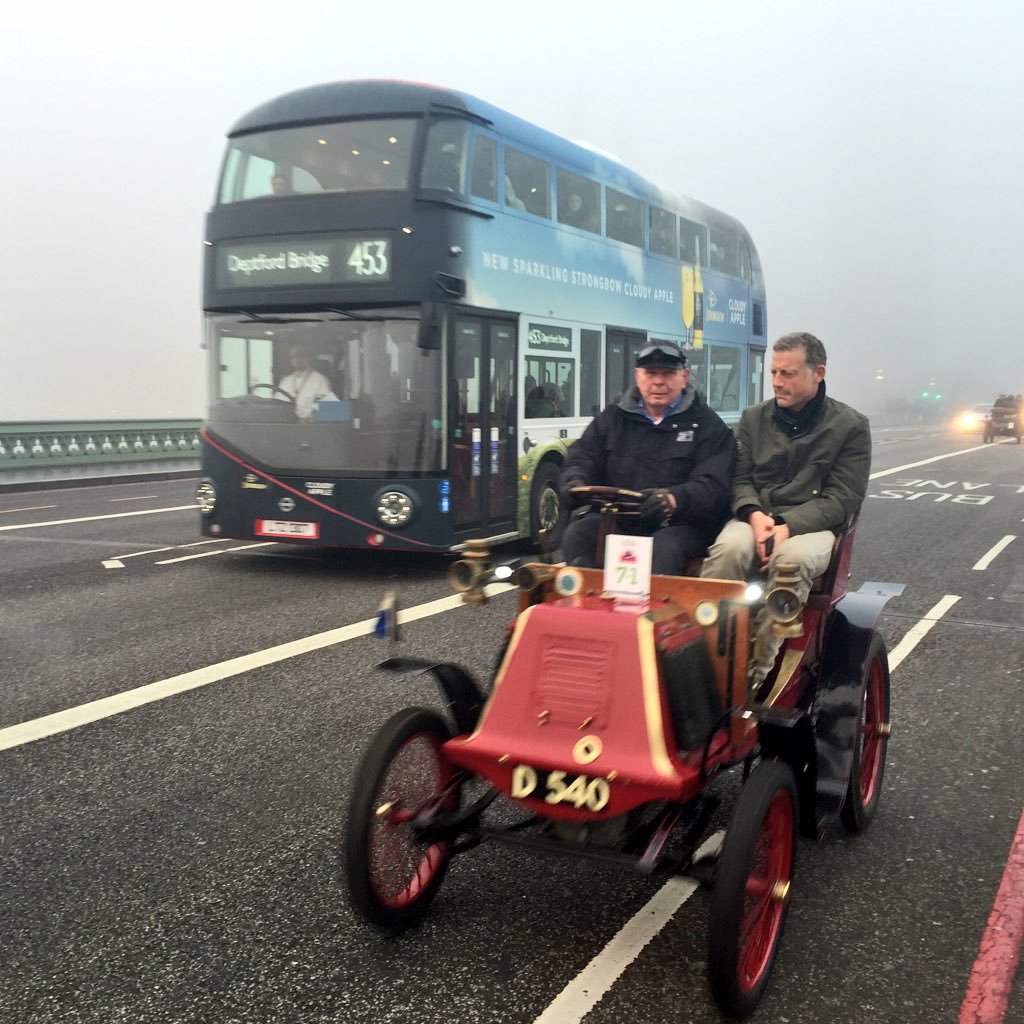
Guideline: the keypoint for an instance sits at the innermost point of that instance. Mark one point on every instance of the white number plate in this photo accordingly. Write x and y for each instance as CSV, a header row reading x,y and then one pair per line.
x,y
283,528
558,787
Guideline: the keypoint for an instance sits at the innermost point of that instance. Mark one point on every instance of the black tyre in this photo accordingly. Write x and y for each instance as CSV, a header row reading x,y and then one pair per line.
x,y
392,876
750,898
547,511
864,789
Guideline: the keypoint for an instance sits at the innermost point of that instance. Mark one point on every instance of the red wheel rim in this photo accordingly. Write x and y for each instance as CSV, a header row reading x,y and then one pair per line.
x,y
872,747
400,868
766,891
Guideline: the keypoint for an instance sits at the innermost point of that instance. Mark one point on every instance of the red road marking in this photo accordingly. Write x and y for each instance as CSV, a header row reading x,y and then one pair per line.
x,y
988,989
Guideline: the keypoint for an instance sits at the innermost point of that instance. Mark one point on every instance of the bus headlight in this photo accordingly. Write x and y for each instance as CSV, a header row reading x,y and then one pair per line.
x,y
394,508
206,496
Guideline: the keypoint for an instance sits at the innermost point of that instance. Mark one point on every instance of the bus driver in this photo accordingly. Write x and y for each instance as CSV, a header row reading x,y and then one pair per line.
x,y
304,384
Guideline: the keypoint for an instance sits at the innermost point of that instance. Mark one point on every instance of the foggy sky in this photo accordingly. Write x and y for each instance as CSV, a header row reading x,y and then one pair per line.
x,y
872,150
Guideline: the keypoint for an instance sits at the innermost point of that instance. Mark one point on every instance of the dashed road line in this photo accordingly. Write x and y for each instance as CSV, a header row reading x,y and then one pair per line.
x,y
989,557
93,519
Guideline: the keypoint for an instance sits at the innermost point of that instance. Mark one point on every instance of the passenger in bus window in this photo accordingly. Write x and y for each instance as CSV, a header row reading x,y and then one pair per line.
x,y
802,474
304,384
280,185
578,216
511,199
662,439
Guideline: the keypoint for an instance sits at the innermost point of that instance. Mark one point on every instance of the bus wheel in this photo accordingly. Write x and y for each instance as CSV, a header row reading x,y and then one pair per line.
x,y
547,513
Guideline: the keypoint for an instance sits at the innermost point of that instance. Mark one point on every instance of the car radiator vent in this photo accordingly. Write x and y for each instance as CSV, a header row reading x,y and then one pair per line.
x,y
574,680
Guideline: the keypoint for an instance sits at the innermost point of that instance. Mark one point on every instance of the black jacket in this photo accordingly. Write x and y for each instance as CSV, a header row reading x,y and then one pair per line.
x,y
691,452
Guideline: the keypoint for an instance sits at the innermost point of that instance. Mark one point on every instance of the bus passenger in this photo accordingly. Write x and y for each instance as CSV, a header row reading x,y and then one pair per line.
x,y
280,185
304,384
661,439
802,473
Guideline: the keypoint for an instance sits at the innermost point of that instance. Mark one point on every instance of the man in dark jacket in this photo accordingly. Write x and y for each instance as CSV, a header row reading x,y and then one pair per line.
x,y
663,440
802,472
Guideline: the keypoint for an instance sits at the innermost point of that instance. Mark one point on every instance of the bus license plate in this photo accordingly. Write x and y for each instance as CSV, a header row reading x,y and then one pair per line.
x,y
557,787
282,528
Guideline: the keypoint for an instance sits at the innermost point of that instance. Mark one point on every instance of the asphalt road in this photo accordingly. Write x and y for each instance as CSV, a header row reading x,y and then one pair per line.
x,y
179,860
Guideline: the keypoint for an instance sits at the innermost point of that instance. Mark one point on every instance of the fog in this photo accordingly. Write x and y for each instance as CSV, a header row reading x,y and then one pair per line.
x,y
872,150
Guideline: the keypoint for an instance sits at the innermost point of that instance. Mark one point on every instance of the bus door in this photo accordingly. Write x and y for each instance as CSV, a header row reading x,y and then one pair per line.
x,y
483,462
619,359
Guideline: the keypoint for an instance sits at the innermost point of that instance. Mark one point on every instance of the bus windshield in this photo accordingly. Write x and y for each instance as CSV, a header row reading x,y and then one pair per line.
x,y
347,156
328,391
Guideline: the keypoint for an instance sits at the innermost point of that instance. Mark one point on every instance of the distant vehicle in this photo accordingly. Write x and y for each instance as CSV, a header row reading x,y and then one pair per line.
x,y
1005,419
974,418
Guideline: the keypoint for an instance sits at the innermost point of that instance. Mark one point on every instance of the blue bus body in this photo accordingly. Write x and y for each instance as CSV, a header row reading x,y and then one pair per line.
x,y
370,238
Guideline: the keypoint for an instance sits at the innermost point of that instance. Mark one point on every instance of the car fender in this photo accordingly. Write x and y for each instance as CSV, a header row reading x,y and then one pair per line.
x,y
459,688
836,710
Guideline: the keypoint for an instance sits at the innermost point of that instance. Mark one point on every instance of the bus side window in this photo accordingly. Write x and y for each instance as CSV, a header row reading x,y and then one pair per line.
x,y
624,217
723,255
485,168
663,232
530,181
579,201
693,242
444,158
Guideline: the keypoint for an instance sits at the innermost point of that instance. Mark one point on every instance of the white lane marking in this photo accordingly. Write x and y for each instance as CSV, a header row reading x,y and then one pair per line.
x,y
219,551
924,462
30,508
171,547
140,497
917,633
109,515
589,987
105,707
113,563
989,557
583,993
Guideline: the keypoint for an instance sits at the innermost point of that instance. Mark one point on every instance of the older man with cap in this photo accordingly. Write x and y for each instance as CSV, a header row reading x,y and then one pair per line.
x,y
662,439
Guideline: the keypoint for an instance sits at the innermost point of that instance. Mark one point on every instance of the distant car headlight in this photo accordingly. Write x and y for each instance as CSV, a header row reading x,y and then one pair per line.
x,y
206,496
395,508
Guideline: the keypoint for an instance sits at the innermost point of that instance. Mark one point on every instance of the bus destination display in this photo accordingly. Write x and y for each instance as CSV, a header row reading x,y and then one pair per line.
x,y
302,262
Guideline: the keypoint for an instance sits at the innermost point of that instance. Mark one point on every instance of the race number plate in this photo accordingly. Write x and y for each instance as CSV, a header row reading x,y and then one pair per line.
x,y
283,528
557,787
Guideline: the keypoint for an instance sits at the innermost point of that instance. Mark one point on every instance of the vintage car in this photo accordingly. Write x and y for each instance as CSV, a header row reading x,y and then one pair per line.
x,y
607,723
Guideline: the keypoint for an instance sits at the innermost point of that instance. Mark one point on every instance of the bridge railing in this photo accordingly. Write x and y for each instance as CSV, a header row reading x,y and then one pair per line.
x,y
95,448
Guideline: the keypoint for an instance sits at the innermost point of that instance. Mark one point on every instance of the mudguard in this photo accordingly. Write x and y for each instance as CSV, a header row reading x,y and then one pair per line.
x,y
459,688
837,705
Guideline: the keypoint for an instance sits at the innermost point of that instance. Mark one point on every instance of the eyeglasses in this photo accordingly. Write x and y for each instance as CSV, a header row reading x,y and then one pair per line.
x,y
663,349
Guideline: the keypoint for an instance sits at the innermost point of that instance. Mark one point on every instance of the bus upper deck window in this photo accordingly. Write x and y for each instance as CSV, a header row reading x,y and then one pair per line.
x,y
444,159
527,183
624,217
579,201
693,242
485,168
663,232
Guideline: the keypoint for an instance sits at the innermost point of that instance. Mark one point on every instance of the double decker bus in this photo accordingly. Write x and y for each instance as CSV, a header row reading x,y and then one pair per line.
x,y
414,302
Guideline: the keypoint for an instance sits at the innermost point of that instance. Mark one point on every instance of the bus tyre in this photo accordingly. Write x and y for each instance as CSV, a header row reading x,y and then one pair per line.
x,y
547,512
392,874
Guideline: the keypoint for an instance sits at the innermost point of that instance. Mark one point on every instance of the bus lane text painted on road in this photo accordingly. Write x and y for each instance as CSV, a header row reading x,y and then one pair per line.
x,y
957,492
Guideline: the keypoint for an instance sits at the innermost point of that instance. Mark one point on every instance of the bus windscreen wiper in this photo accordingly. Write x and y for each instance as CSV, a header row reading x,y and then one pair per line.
x,y
259,318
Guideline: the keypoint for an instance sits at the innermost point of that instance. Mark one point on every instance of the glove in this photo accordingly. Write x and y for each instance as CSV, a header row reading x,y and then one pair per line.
x,y
656,508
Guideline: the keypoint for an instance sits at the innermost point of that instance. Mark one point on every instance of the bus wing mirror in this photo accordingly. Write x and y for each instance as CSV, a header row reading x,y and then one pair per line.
x,y
431,324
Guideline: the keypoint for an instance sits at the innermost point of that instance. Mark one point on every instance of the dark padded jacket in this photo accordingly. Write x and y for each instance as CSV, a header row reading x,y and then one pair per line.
x,y
691,453
814,474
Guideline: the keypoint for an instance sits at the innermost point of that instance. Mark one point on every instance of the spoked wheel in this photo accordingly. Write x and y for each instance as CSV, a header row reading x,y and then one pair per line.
x,y
864,789
392,876
751,893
